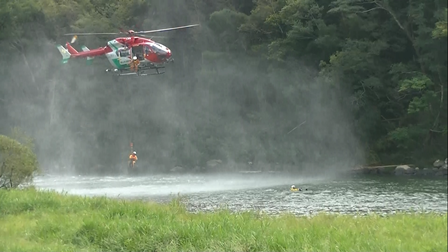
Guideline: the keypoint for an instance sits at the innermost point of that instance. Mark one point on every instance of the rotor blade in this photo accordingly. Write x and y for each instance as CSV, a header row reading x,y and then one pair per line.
x,y
166,29
151,37
138,32
93,33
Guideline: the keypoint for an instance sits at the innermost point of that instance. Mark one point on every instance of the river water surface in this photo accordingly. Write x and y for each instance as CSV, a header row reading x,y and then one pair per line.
x,y
269,194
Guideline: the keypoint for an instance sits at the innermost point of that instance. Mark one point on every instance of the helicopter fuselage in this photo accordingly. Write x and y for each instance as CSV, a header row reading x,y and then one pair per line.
x,y
149,53
122,51
131,53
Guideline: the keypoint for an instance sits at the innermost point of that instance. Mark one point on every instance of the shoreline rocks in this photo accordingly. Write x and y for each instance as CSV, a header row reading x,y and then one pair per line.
x,y
438,169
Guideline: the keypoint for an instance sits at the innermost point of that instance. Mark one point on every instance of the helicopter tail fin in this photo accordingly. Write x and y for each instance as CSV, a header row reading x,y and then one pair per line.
x,y
89,59
65,54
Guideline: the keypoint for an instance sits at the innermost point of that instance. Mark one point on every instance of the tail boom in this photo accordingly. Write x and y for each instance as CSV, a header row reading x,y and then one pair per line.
x,y
88,53
70,52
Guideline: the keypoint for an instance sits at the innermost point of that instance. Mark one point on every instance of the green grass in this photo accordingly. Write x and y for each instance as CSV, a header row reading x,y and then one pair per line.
x,y
47,221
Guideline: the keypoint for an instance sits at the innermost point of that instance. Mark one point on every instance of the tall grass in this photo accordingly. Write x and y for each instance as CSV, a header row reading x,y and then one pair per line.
x,y
48,221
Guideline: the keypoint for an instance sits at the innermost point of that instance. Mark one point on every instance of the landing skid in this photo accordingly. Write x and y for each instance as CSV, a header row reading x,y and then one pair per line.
x,y
140,72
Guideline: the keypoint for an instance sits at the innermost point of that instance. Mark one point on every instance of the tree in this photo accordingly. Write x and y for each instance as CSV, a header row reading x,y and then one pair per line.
x,y
18,162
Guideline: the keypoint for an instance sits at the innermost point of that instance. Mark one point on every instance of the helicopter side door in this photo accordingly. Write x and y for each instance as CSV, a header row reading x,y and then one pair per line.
x,y
138,52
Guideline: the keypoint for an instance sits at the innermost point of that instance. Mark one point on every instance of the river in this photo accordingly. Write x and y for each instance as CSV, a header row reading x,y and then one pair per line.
x,y
269,194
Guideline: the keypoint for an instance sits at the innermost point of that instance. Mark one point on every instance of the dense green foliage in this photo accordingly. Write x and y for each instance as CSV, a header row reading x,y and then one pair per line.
x,y
47,221
329,83
18,162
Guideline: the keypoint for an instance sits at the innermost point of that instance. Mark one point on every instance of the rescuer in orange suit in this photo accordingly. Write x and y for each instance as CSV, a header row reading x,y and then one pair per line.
x,y
134,64
132,159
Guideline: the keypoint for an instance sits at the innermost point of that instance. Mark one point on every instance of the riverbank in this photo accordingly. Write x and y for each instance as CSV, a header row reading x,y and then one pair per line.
x,y
48,221
403,170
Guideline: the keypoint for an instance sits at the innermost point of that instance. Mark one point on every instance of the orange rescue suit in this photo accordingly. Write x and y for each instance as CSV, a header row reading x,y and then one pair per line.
x,y
134,64
133,157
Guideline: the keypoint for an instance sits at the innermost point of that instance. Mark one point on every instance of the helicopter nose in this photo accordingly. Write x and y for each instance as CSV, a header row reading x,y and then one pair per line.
x,y
168,54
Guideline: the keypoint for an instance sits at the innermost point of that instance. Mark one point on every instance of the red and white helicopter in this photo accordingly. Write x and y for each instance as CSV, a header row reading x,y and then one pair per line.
x,y
130,55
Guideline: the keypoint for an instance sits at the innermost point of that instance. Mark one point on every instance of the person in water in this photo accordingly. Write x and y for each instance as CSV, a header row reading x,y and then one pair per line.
x,y
132,159
294,188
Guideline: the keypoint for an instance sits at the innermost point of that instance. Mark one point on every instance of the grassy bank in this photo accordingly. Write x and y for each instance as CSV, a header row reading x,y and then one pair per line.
x,y
48,221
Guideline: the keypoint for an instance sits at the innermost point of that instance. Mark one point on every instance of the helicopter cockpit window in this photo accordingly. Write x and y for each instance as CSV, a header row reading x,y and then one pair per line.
x,y
124,53
157,48
146,50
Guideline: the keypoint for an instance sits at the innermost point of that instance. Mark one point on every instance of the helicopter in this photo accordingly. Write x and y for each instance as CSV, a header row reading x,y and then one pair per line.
x,y
128,55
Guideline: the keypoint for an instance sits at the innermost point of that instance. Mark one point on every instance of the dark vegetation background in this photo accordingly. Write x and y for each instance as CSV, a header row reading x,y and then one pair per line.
x,y
288,84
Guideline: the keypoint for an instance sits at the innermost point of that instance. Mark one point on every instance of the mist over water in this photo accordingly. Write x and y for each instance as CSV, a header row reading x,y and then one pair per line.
x,y
162,185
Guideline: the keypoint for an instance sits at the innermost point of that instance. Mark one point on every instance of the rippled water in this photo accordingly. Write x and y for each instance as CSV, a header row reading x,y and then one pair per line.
x,y
269,194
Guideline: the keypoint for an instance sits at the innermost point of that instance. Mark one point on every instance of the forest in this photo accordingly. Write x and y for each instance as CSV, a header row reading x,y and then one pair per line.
x,y
260,84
